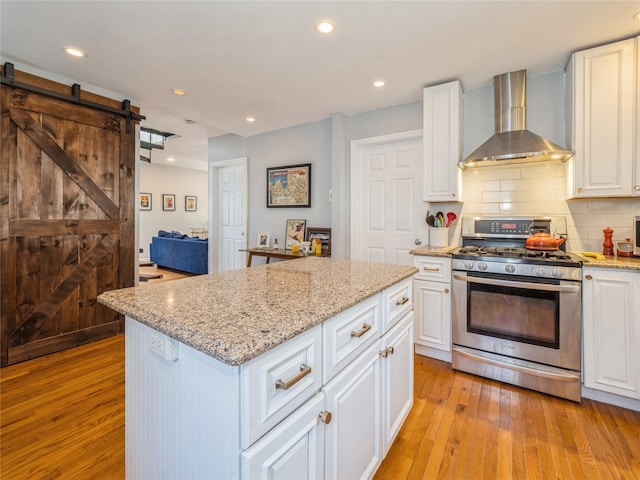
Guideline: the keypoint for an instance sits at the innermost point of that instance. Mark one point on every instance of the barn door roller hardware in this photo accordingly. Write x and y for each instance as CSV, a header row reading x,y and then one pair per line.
x,y
8,78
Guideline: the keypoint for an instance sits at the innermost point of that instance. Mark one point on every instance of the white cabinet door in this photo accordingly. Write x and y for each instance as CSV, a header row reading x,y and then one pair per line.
x,y
397,379
602,109
433,319
442,123
294,449
352,438
611,316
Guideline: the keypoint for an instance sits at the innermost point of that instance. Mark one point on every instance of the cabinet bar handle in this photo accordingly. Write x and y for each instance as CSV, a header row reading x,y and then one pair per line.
x,y
304,371
365,328
402,301
431,269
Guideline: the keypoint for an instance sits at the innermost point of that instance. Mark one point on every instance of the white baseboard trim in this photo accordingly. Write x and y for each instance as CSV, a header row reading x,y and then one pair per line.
x,y
432,353
611,398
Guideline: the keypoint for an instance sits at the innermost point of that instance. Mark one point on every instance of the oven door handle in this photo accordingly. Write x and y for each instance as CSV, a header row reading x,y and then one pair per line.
x,y
529,285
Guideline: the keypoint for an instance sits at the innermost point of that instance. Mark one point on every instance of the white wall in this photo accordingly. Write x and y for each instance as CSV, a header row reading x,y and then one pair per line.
x,y
505,190
160,179
307,143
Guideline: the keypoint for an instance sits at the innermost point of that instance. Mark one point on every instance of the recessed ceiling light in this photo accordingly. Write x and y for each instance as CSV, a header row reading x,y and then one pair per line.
x,y
74,52
171,159
378,83
178,91
325,26
250,119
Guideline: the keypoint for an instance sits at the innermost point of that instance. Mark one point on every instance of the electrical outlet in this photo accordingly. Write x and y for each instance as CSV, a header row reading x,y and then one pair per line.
x,y
163,346
141,250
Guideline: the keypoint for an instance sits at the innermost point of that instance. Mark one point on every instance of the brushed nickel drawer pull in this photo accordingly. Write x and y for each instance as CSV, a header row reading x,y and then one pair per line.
x,y
282,385
365,328
431,269
402,301
391,350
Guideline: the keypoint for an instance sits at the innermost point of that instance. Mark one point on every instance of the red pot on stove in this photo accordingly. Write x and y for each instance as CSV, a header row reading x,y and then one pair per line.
x,y
544,241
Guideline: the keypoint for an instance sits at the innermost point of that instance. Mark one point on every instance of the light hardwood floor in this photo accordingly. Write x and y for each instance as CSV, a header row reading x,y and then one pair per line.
x,y
63,417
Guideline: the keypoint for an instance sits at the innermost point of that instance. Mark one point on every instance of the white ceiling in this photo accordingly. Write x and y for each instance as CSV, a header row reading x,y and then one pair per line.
x,y
264,59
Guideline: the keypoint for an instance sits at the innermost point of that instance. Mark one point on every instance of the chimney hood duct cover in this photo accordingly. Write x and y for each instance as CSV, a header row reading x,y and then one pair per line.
x,y
512,143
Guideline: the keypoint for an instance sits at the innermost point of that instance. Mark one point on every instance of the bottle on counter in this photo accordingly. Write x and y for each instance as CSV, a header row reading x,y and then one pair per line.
x,y
607,246
275,244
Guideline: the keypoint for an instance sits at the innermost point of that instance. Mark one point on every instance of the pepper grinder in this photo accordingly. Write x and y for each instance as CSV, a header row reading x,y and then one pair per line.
x,y
607,246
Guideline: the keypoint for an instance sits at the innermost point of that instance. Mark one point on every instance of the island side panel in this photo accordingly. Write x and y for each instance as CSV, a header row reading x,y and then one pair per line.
x,y
182,416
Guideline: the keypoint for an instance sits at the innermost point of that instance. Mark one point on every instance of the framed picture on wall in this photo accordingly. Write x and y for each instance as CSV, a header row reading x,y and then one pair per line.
x,y
168,201
295,233
190,203
289,186
145,201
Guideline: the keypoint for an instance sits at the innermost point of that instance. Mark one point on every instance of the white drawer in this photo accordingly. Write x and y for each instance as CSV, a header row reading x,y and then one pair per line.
x,y
397,301
433,268
348,334
276,383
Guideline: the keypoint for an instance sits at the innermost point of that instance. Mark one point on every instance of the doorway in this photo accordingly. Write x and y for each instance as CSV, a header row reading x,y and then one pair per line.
x,y
228,214
387,214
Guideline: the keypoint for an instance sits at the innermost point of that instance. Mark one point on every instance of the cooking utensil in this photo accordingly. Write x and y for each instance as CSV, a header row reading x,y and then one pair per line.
x,y
440,218
544,241
451,217
431,220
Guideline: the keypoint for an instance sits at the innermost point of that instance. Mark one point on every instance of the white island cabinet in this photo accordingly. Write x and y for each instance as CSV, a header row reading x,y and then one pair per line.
x,y
326,403
611,317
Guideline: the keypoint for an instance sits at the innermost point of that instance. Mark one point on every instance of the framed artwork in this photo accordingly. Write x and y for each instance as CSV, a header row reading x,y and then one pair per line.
x,y
295,233
289,186
263,240
168,201
145,201
190,203
323,234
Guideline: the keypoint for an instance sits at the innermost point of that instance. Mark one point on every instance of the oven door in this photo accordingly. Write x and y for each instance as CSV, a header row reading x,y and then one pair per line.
x,y
537,320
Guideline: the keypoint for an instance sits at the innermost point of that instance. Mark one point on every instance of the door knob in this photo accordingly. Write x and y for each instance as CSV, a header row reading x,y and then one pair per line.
x,y
418,241
325,417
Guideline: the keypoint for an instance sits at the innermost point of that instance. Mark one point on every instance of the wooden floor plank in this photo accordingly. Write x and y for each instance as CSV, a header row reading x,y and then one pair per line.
x,y
62,416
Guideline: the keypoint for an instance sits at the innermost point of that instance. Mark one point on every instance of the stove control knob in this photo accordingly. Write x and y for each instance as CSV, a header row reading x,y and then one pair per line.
x,y
482,266
468,265
540,271
510,268
558,272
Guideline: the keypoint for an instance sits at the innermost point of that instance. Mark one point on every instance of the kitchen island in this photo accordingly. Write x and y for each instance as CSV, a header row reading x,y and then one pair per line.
x,y
238,374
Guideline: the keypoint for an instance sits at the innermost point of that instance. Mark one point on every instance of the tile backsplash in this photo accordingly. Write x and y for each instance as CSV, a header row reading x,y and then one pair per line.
x,y
540,190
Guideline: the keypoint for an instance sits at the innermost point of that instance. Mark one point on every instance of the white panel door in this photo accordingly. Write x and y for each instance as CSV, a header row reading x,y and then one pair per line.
x,y
387,216
231,217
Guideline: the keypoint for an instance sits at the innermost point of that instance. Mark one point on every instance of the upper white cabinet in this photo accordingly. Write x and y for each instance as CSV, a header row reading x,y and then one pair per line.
x,y
601,112
442,125
611,318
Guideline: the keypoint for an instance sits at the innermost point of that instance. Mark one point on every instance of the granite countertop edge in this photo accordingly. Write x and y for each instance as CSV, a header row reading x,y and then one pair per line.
x,y
238,348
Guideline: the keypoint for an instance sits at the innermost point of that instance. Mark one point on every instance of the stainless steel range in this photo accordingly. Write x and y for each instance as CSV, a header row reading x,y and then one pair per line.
x,y
517,312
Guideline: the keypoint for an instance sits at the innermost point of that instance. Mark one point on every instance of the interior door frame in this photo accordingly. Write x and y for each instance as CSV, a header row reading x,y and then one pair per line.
x,y
357,146
213,233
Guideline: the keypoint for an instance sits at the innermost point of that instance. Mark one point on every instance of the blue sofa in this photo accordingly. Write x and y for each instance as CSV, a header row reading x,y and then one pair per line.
x,y
180,252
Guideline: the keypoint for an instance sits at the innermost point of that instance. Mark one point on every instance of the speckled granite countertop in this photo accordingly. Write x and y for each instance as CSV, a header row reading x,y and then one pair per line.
x,y
236,316
621,263
433,251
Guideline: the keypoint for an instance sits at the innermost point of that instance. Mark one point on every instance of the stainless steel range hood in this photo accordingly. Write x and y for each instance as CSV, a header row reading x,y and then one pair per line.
x,y
512,143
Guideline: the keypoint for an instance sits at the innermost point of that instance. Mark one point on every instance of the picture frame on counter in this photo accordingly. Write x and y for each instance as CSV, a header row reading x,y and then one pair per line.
x,y
295,233
145,201
263,240
289,186
168,202
190,203
322,233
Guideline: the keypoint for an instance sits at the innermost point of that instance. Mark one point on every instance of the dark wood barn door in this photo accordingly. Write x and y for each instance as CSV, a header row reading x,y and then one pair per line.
x,y
67,222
